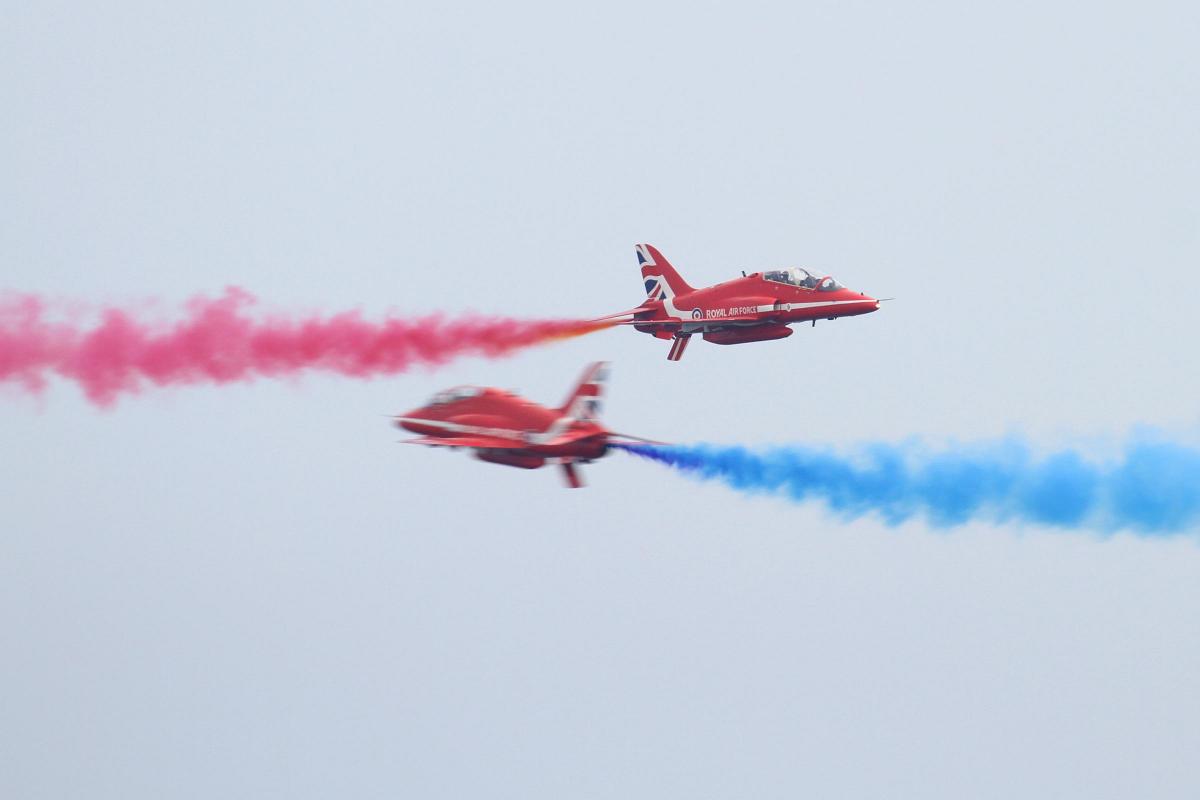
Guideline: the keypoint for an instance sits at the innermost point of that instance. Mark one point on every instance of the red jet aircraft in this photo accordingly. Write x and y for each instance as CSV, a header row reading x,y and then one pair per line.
x,y
505,429
753,308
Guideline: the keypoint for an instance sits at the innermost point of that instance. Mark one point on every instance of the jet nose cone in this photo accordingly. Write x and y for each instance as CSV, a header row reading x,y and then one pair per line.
x,y
410,421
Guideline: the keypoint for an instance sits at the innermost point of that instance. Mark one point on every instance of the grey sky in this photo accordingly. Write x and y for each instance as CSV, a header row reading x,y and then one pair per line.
x,y
251,591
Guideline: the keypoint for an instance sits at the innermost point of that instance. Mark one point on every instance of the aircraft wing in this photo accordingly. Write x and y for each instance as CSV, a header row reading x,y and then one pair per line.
x,y
467,441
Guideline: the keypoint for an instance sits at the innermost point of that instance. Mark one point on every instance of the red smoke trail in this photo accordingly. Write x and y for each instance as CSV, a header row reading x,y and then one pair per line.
x,y
219,342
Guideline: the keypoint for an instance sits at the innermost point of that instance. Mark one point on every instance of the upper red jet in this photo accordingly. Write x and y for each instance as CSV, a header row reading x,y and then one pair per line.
x,y
505,429
753,308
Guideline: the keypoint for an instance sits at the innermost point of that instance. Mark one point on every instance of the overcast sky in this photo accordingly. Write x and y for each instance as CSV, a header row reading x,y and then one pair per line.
x,y
251,591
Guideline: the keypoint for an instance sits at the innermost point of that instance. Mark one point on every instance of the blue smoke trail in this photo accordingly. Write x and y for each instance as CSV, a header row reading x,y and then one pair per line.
x,y
1153,489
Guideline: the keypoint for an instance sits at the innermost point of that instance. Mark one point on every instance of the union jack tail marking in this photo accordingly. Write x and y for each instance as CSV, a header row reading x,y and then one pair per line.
x,y
658,276
583,404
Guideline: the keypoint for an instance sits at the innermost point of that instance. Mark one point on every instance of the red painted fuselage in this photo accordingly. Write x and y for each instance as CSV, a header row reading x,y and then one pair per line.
x,y
502,428
754,308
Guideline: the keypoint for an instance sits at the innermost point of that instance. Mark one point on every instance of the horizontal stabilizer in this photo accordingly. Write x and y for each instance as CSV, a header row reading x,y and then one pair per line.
x,y
625,438
642,309
671,322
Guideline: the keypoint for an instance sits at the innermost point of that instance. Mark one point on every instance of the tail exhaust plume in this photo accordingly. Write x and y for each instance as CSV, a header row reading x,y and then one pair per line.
x,y
219,341
1152,489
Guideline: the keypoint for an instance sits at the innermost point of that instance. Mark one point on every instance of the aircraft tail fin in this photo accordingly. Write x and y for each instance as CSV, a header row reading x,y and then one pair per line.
x,y
659,277
583,403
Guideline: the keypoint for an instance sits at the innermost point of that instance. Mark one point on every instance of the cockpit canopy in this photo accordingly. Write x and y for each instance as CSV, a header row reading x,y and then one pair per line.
x,y
455,394
795,276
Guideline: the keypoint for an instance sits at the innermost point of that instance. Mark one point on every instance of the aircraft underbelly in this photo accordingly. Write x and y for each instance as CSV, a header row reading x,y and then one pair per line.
x,y
511,458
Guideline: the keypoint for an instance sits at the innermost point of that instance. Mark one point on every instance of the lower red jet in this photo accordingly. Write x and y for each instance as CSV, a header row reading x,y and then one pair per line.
x,y
753,308
505,429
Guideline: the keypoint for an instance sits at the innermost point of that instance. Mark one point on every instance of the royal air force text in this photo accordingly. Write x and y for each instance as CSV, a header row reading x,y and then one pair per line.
x,y
736,311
